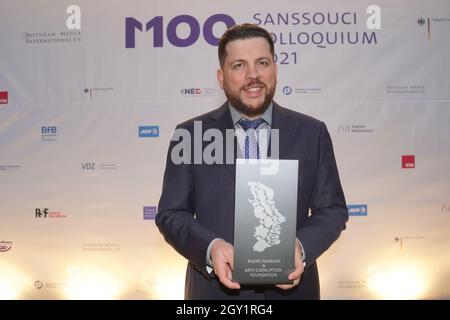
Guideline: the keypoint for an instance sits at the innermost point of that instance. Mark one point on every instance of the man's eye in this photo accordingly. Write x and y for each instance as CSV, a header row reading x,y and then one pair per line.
x,y
264,63
237,66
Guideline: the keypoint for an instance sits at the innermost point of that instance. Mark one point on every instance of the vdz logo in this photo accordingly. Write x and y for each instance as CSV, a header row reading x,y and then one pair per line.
x,y
287,90
41,213
88,166
357,209
157,25
148,131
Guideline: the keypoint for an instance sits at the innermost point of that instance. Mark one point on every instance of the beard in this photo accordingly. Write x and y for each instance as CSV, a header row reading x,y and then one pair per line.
x,y
236,101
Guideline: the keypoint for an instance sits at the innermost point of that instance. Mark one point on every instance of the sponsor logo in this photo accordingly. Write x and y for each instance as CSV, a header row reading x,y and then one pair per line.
x,y
45,213
149,213
186,23
352,284
5,246
9,167
49,133
445,208
354,128
287,90
3,97
408,162
403,239
357,209
148,131
198,92
100,246
71,34
95,92
428,21
89,166
412,89
38,284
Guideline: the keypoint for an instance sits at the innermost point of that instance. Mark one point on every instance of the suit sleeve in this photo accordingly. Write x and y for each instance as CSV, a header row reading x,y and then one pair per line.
x,y
176,214
328,207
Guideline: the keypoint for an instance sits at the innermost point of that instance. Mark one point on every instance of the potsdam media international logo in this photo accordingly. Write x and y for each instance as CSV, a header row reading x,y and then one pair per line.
x,y
45,213
149,213
357,209
148,131
5,246
408,162
71,34
3,97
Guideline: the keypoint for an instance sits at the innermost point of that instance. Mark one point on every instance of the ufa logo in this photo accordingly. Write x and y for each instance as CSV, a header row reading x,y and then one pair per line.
x,y
73,22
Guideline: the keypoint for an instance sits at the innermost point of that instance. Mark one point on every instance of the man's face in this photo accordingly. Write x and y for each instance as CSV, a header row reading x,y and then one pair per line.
x,y
248,75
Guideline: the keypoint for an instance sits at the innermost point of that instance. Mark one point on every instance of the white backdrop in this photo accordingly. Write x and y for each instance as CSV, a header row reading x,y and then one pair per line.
x,y
79,186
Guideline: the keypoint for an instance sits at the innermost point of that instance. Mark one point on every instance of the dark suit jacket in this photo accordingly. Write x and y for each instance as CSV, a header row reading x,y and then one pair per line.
x,y
197,204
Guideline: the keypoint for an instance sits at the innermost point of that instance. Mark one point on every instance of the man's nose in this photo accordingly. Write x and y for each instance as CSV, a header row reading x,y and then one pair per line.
x,y
253,72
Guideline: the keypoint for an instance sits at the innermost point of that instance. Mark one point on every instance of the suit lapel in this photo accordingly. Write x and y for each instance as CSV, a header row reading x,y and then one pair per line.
x,y
282,121
223,120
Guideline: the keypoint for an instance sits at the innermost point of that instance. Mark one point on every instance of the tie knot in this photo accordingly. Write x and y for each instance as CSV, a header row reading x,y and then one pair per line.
x,y
250,124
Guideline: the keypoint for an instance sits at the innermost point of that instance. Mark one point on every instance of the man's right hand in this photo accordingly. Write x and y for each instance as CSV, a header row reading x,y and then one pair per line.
x,y
222,258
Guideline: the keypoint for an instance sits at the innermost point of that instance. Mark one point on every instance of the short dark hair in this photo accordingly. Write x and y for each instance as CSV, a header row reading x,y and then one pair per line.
x,y
242,31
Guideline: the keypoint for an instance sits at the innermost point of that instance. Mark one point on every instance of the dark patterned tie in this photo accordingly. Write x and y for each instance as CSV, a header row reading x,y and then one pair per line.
x,y
251,148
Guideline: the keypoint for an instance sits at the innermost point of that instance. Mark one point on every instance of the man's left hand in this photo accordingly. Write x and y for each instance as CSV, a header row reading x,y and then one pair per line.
x,y
297,273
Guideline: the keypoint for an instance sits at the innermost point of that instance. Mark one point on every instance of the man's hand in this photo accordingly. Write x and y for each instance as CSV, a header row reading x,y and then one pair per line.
x,y
222,254
297,273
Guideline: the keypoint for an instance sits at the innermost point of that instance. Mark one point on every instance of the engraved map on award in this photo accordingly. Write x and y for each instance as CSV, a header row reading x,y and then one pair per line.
x,y
265,221
267,233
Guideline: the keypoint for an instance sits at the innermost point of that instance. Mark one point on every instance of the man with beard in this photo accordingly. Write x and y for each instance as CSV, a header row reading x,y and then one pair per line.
x,y
196,209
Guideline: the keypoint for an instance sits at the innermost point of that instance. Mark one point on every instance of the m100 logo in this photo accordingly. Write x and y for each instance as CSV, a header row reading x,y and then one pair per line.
x,y
157,25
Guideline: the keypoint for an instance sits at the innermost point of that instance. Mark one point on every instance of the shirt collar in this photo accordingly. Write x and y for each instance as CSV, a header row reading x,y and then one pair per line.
x,y
236,115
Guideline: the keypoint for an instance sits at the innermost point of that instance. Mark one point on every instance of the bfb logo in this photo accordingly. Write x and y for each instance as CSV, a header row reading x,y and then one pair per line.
x,y
47,130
